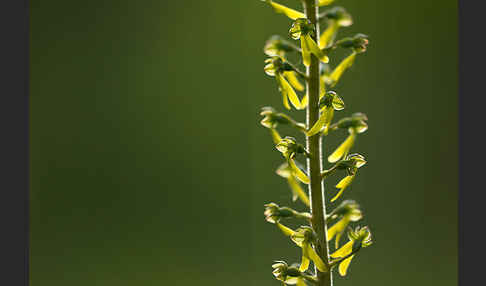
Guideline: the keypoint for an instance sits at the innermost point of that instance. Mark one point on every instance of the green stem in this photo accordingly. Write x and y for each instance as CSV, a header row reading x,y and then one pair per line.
x,y
314,162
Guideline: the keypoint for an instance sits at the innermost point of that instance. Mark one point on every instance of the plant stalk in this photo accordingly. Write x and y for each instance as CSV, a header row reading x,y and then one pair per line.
x,y
314,146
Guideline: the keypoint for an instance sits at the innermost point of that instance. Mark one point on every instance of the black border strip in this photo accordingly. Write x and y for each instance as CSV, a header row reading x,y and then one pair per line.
x,y
472,145
14,124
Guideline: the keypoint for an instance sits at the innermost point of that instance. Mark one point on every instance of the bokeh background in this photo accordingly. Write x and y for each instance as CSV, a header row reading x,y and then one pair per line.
x,y
149,166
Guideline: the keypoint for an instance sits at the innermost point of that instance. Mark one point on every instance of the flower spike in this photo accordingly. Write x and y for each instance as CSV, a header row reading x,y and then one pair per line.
x,y
312,89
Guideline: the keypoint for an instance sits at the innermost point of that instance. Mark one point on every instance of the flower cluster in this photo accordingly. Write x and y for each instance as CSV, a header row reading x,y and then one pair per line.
x,y
314,51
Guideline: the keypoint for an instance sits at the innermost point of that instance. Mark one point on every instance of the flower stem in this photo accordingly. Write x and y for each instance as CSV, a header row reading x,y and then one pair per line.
x,y
314,162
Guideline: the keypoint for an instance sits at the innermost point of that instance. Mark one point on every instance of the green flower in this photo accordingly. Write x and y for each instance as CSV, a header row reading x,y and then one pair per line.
x,y
358,238
276,67
276,46
358,44
273,213
355,124
297,192
327,104
351,164
289,275
304,236
336,17
303,29
289,148
271,120
348,211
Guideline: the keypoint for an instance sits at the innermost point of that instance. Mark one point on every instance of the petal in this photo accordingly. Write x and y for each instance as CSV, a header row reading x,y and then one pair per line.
x,y
337,103
311,254
313,48
324,120
328,35
324,2
275,136
343,149
300,282
306,58
339,70
304,101
298,191
291,13
287,88
344,250
293,80
343,184
322,86
298,172
291,280
286,231
304,265
344,265
284,93
338,238
337,228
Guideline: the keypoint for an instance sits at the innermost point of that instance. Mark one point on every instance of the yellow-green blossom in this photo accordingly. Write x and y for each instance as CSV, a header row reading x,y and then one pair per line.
x,y
336,17
348,211
289,275
328,103
351,164
276,46
274,213
289,148
358,45
276,67
297,192
302,29
355,124
303,237
358,238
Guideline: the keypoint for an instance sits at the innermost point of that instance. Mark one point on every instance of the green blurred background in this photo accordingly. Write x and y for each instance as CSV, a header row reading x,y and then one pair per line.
x,y
149,166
